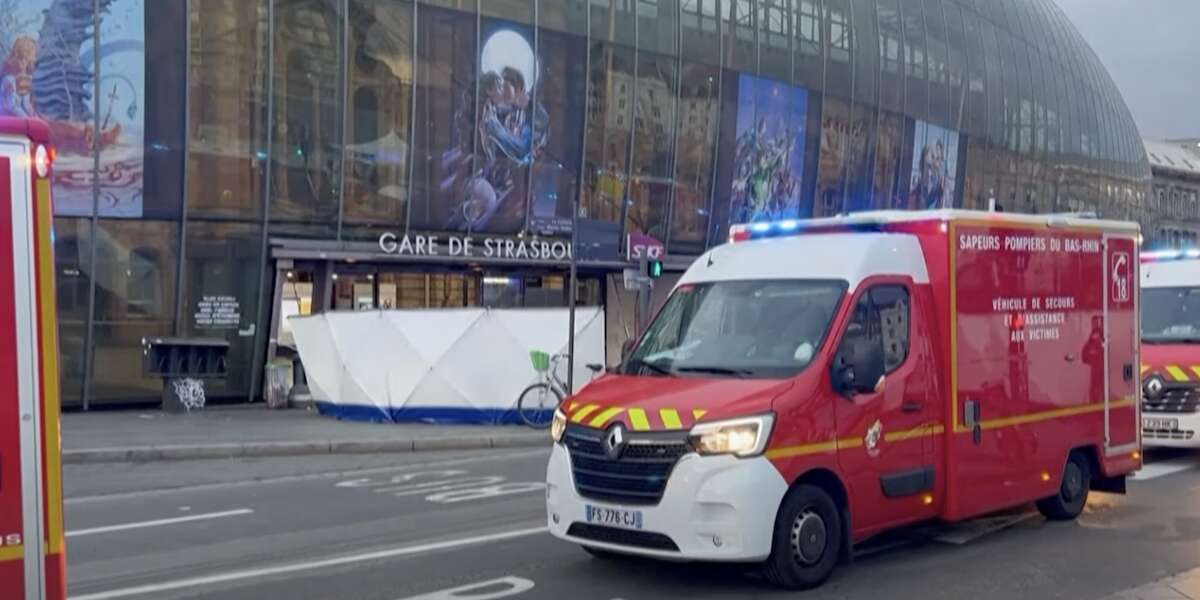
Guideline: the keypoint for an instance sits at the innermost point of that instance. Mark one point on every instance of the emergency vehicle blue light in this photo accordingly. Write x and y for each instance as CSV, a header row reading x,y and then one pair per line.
x,y
753,231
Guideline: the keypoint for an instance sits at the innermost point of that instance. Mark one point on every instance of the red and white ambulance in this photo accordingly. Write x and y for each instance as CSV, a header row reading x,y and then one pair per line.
x,y
1171,348
811,384
32,558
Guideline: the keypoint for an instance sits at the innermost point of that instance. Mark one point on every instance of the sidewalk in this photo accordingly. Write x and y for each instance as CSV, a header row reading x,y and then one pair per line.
x,y
227,432
1184,586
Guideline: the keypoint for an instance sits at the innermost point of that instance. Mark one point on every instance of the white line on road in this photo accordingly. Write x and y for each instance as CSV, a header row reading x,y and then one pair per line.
x,y
513,586
1162,469
340,474
306,566
159,522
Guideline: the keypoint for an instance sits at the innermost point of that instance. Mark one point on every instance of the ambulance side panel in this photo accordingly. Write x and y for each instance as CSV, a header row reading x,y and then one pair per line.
x,y
1028,373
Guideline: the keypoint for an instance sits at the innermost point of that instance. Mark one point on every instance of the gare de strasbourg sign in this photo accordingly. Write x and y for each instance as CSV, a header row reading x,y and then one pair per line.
x,y
454,246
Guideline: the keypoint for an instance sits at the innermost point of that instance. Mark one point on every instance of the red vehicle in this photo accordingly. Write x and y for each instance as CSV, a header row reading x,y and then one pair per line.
x,y
32,558
812,384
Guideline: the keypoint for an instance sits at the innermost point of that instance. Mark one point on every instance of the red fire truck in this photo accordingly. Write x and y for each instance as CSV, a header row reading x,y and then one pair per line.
x,y
32,558
812,384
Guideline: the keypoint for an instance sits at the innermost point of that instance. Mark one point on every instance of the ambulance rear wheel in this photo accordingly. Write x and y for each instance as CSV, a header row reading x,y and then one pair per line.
x,y
1072,492
807,540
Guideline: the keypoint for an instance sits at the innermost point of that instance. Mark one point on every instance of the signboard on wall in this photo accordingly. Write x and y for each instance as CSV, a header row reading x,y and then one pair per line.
x,y
467,246
48,70
218,312
640,245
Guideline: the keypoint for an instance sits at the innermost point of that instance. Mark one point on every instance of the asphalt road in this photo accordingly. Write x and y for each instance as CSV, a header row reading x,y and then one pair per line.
x,y
470,525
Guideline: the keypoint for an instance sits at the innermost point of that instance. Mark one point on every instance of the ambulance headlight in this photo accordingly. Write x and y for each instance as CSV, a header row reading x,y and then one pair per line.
x,y
558,426
746,436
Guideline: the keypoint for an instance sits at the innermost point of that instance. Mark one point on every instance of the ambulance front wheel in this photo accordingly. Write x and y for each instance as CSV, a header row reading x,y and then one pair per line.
x,y
1072,492
807,540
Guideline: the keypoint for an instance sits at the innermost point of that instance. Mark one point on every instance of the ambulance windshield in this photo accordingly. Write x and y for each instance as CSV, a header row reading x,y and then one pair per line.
x,y
741,329
1171,315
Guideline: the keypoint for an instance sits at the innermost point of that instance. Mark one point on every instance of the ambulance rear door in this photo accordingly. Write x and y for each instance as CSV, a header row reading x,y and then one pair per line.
x,y
1122,423
22,555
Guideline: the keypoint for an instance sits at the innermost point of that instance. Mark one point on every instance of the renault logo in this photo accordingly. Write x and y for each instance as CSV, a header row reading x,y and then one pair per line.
x,y
614,442
1154,387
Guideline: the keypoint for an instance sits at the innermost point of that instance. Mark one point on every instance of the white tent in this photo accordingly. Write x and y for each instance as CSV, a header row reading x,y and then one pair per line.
x,y
451,365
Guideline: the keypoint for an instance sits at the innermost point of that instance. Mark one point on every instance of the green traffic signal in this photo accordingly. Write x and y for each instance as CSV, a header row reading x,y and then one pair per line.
x,y
654,269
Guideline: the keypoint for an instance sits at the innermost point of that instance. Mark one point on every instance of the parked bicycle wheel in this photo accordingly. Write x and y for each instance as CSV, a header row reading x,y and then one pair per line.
x,y
536,405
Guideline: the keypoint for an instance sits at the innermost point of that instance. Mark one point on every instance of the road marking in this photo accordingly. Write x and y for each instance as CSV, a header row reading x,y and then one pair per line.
x,y
515,585
508,456
193,582
448,486
1162,469
159,522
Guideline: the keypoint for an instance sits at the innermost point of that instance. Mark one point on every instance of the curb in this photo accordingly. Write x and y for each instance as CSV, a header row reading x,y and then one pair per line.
x,y
137,454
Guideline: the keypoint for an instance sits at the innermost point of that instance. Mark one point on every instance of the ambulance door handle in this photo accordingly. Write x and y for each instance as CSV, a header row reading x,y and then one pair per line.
x,y
911,407
1128,372
971,418
1069,358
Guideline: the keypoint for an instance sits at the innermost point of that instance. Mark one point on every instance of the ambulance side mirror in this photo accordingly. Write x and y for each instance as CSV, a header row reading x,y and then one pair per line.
x,y
858,366
627,348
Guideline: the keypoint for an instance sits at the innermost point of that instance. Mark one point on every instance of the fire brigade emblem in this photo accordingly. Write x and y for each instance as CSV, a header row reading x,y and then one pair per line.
x,y
871,440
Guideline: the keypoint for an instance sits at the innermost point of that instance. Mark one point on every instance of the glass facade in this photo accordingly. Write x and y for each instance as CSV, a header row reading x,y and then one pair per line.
x,y
250,121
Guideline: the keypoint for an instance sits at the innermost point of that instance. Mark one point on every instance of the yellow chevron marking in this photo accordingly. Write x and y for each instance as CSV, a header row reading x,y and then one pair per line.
x,y
697,413
1177,373
670,418
582,413
637,418
603,418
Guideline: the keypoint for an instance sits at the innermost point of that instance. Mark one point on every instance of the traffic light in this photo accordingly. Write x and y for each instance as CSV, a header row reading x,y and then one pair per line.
x,y
654,269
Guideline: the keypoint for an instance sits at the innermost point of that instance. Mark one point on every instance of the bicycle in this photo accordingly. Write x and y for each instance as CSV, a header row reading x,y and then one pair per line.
x,y
536,404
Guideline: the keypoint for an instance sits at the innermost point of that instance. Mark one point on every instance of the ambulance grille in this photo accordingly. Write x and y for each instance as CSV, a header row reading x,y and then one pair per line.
x,y
1174,400
638,476
1184,435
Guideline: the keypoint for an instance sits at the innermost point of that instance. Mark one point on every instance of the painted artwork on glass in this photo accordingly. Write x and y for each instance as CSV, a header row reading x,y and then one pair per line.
x,y
500,134
934,174
48,72
768,163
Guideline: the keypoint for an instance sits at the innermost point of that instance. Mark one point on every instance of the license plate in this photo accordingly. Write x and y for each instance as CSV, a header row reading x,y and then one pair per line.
x,y
616,517
1152,423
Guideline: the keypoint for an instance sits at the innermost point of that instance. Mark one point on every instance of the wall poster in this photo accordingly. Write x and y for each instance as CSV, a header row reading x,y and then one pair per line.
x,y
768,164
934,176
49,72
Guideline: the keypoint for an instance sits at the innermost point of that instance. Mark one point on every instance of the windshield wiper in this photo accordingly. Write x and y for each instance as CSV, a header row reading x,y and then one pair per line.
x,y
657,367
740,373
1171,340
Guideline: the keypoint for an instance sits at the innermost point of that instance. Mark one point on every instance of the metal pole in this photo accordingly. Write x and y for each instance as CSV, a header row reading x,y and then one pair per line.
x,y
263,260
573,279
572,297
180,265
88,354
